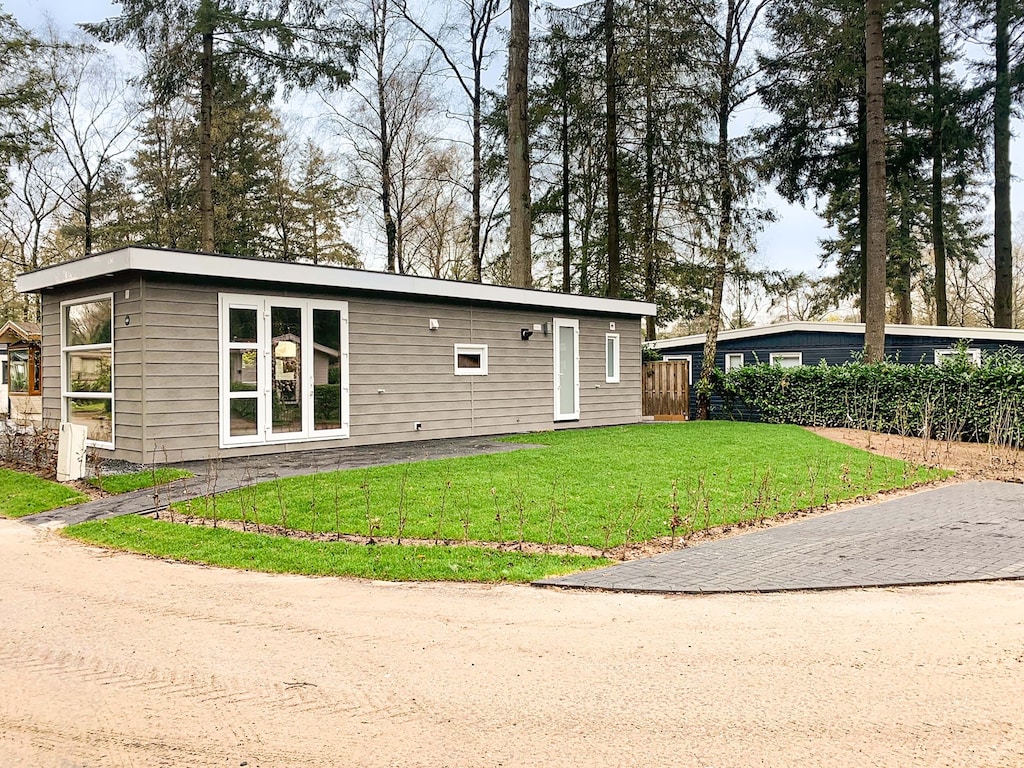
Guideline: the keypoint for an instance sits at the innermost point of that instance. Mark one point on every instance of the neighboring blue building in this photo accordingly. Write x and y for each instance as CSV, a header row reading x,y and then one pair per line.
x,y
807,343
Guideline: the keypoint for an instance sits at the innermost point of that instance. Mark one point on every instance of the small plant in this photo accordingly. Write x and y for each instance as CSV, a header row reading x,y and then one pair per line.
x,y
498,518
636,512
446,487
282,508
675,521
403,515
364,486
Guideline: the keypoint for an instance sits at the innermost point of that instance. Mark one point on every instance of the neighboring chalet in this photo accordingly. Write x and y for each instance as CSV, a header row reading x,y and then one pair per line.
x,y
168,356
20,375
809,343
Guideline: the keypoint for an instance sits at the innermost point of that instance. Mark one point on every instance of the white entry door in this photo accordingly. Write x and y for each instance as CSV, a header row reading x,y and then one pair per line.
x,y
567,369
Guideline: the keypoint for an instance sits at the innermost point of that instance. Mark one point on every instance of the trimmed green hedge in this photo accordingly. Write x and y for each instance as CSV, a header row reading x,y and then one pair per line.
x,y
955,400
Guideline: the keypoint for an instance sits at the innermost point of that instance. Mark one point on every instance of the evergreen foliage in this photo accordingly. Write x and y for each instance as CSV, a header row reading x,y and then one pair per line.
x,y
956,400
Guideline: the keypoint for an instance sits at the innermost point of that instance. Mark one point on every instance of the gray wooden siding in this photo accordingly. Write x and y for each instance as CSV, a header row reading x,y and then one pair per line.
x,y
171,354
601,403
181,371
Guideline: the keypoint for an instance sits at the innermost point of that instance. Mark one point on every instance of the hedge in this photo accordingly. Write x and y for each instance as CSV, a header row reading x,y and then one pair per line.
x,y
955,400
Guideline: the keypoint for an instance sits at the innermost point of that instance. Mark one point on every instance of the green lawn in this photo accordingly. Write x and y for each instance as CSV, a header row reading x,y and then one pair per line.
x,y
24,494
134,481
276,554
596,487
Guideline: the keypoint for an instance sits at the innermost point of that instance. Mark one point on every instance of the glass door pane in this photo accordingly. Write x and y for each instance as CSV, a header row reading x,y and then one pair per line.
x,y
327,362
566,370
286,369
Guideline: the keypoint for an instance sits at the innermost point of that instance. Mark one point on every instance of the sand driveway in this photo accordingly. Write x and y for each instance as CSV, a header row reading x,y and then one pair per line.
x,y
118,660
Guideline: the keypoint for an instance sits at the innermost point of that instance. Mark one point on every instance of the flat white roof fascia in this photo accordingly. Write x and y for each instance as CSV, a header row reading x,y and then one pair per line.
x,y
206,265
941,331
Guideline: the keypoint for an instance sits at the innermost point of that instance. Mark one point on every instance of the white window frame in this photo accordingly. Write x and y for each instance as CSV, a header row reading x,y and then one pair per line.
x,y
611,358
730,364
556,324
264,434
470,349
65,393
689,365
776,358
942,354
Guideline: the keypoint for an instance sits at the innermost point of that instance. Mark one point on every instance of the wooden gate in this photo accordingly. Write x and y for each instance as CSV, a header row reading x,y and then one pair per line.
x,y
667,390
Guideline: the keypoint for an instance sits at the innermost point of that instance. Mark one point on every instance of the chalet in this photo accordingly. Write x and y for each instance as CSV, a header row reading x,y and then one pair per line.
x,y
182,356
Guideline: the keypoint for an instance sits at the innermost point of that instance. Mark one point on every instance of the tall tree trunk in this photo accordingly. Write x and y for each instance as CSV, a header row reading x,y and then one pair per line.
x,y
518,146
650,256
474,235
862,186
612,149
1003,293
87,196
938,198
206,238
725,195
904,308
566,250
874,331
390,230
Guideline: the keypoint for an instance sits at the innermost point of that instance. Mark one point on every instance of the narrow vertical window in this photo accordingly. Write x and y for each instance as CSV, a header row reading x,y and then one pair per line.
x,y
611,358
87,363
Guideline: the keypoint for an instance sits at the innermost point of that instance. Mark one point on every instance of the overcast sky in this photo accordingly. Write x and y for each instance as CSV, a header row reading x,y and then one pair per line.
x,y
789,243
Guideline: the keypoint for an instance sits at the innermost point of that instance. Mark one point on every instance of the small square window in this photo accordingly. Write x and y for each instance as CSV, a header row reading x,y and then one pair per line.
x,y
787,359
733,360
470,359
942,355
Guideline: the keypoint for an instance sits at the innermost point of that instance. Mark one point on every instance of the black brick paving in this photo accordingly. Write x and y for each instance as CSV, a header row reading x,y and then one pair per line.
x,y
966,532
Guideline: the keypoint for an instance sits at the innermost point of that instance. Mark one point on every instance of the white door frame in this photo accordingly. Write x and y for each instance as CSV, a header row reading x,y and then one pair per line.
x,y
557,324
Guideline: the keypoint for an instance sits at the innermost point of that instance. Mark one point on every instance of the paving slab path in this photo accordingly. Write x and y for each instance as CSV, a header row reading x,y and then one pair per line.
x,y
965,532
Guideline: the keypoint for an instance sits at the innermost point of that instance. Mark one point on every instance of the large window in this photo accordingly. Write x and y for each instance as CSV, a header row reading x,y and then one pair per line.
x,y
284,369
87,366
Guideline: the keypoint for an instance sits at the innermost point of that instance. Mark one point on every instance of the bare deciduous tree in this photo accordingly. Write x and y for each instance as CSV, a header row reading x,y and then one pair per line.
x,y
476,22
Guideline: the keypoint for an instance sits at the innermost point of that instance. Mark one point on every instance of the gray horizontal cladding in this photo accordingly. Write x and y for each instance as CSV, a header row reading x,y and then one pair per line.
x,y
601,403
400,372
127,373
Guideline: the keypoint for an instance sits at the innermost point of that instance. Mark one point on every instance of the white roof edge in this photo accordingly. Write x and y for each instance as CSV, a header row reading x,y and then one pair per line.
x,y
202,264
942,331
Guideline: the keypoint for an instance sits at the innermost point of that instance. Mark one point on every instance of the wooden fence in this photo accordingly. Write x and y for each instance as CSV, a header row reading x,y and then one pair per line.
x,y
667,390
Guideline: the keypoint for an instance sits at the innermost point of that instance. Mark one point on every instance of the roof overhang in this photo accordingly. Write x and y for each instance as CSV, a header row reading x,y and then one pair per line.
x,y
938,331
155,260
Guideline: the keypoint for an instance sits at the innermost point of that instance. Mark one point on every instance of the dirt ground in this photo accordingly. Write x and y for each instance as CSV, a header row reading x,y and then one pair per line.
x,y
972,461
118,660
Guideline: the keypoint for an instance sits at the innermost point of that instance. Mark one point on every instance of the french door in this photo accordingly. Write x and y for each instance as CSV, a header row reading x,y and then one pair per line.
x,y
567,369
284,369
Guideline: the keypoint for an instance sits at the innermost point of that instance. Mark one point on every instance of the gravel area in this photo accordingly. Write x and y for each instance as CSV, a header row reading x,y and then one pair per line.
x,y
118,660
